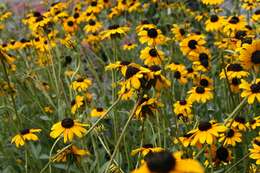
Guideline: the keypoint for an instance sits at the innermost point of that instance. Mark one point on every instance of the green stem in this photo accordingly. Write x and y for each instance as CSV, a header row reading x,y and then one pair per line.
x,y
235,164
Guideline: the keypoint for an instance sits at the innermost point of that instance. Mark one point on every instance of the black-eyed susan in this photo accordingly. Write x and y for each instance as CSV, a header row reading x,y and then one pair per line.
x,y
192,74
214,23
68,128
233,70
81,84
166,162
129,46
178,32
250,90
255,150
147,107
192,44
159,81
93,26
200,94
230,137
144,25
184,117
250,4
202,54
114,31
118,65
97,112
146,149
234,23
151,36
254,123
185,139
204,81
256,16
249,55
94,7
220,155
238,123
179,73
182,106
152,56
206,132
73,152
234,84
77,103
25,135
212,2
70,25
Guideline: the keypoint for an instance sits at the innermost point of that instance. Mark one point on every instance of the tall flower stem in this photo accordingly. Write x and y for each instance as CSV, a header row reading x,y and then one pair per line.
x,y
123,132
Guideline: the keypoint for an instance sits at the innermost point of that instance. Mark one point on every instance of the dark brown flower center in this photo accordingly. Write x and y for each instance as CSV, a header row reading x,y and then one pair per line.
x,y
148,146
213,18
190,70
255,88
200,90
183,102
182,31
255,57
91,22
80,80
67,123
113,27
124,63
152,33
240,34
234,67
204,82
177,75
160,162
93,3
153,52
230,133
241,120
257,12
187,135
76,15
70,23
204,126
253,121
247,40
235,81
222,154
131,71
25,131
257,142
234,20
155,68
192,44
99,109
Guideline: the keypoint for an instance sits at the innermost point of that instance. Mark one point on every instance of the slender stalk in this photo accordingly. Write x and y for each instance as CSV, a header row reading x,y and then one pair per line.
x,y
235,164
26,160
123,132
52,148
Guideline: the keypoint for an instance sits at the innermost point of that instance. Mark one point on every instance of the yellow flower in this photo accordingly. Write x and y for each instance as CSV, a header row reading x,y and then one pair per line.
x,y
214,23
73,151
77,103
25,135
152,56
212,2
238,123
254,123
230,137
151,36
70,25
182,106
200,94
234,23
146,149
206,132
166,162
114,31
93,26
255,151
129,46
68,128
234,70
81,84
178,32
251,91
97,112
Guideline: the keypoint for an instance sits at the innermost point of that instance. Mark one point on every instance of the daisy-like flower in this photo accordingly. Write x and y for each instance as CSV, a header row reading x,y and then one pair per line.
x,y
25,135
70,25
204,81
182,106
77,103
94,7
212,2
234,23
146,149
93,26
192,44
68,128
152,56
81,84
238,123
250,90
147,107
206,132
220,155
202,54
73,151
159,81
178,32
166,162
234,84
230,137
200,94
151,36
129,46
250,4
114,31
97,112
185,139
234,70
249,55
256,16
255,150
254,123
214,23
120,65
144,26
180,73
